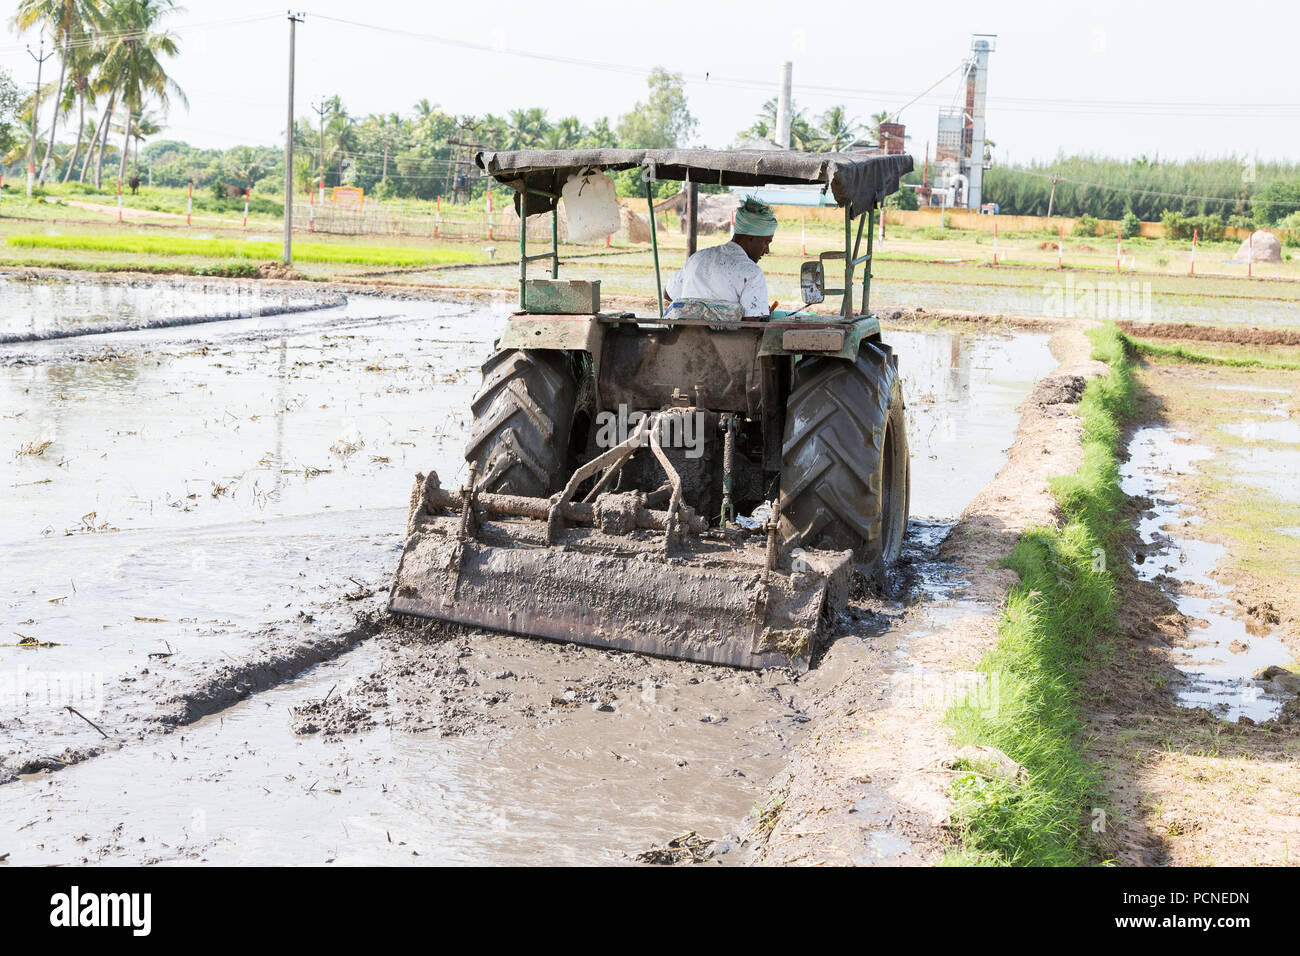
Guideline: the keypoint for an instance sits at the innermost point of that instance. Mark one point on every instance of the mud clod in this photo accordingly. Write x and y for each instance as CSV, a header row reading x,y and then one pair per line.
x,y
688,848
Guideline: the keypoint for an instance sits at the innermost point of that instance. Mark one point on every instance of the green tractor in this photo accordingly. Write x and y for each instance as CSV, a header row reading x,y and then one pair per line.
x,y
615,459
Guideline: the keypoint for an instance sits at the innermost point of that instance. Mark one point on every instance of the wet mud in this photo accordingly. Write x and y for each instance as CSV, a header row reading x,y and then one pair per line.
x,y
206,544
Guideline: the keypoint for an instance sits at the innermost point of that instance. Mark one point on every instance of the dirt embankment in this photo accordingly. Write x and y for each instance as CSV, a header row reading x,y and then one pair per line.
x,y
1210,333
869,783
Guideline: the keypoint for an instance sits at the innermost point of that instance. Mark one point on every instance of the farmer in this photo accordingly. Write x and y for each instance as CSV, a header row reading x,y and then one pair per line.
x,y
729,272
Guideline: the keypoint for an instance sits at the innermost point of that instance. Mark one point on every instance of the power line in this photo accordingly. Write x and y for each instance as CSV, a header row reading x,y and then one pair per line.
x,y
1018,104
92,39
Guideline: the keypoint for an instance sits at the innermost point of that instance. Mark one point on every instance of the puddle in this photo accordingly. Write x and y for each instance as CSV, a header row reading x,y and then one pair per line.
x,y
202,484
1223,655
960,390
1287,432
1262,389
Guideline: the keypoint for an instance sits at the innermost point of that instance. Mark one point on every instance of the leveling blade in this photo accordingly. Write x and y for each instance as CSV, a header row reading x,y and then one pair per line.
x,y
719,605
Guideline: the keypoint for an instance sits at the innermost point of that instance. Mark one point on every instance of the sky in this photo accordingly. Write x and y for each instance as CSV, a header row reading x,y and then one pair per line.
x,y
1103,78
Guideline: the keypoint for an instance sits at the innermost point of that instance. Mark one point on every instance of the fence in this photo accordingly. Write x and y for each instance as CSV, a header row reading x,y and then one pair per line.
x,y
427,222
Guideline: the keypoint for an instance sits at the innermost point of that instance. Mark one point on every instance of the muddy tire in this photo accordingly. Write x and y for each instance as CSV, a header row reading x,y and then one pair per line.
x,y
523,414
845,474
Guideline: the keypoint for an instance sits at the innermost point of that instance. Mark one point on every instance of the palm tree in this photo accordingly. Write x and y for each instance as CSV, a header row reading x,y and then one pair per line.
x,y
802,133
64,19
565,134
80,86
143,125
134,55
836,131
876,120
527,127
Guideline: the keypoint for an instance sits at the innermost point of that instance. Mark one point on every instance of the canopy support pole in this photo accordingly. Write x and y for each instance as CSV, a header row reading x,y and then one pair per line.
x,y
555,242
866,268
654,243
693,224
523,246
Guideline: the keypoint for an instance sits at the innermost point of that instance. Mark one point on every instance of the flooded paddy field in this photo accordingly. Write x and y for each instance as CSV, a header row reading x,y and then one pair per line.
x,y
199,528
1083,294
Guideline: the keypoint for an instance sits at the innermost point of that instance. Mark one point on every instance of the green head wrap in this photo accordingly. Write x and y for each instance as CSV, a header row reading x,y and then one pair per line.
x,y
755,218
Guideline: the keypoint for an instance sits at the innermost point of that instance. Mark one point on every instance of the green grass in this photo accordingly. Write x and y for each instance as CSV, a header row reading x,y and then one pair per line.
x,y
1184,354
1055,626
246,249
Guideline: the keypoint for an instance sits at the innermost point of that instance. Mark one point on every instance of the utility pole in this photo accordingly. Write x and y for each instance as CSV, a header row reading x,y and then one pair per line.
x,y
294,20
36,103
1052,198
320,157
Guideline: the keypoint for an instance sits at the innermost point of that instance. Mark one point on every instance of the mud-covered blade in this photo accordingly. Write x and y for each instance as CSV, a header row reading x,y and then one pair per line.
x,y
707,611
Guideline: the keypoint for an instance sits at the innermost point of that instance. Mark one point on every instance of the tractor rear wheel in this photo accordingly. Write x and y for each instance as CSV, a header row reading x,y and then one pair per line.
x,y
845,473
523,416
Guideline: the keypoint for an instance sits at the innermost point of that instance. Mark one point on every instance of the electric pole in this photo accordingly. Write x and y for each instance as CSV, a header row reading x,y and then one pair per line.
x,y
36,102
1051,200
320,157
294,20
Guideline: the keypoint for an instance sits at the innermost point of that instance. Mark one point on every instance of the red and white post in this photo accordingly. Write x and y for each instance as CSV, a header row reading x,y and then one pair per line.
x,y
489,212
1119,246
995,243
1195,234
437,216
247,190
803,235
189,203
1060,247
311,210
1250,255
119,200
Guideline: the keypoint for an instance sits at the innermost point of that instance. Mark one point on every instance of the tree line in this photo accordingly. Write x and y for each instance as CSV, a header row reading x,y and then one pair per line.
x,y
1229,191
112,85
112,74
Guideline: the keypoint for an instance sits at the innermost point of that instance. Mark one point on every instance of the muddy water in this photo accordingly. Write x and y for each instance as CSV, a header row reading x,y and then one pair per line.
x,y
1222,653
241,480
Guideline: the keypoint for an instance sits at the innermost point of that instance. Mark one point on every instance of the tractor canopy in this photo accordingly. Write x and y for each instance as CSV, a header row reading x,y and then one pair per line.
x,y
858,182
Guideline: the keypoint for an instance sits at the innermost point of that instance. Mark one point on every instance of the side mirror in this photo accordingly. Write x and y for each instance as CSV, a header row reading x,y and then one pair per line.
x,y
812,282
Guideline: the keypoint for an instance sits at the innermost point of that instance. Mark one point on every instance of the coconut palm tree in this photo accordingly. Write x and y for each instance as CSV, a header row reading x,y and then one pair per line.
x,y
143,125
64,19
836,131
527,127
134,55
80,87
876,120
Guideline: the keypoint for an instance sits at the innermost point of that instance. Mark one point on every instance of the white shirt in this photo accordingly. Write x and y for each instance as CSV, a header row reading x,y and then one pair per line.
x,y
724,273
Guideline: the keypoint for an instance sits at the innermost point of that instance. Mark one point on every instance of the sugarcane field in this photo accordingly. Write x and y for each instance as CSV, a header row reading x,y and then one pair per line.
x,y
777,447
